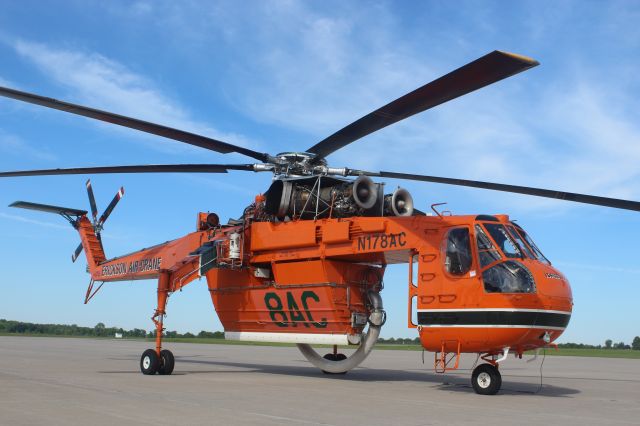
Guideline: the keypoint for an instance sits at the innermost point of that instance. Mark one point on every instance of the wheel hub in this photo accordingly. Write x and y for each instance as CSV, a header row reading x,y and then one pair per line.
x,y
484,380
146,362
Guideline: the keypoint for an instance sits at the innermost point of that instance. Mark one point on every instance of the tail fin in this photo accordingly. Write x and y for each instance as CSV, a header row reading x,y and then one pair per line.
x,y
89,231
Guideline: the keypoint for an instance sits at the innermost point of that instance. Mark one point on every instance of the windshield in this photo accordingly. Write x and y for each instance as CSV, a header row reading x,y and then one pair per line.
x,y
521,243
486,251
537,254
504,241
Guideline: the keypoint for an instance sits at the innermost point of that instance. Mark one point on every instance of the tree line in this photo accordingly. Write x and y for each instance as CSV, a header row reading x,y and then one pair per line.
x,y
100,330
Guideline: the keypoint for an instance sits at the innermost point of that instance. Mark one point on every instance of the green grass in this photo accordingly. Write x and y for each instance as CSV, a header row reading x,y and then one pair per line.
x,y
602,353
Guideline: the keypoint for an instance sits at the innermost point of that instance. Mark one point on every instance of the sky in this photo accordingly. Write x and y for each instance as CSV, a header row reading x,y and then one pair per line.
x,y
278,76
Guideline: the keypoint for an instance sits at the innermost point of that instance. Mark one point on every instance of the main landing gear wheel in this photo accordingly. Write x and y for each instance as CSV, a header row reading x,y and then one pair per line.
x,y
486,379
334,357
167,362
149,362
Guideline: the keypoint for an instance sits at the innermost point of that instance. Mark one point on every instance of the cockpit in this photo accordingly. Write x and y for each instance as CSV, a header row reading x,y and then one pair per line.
x,y
503,249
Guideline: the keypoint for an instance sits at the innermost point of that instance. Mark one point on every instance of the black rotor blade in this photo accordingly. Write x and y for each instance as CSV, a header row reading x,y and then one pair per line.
x,y
64,211
133,123
486,70
538,192
92,202
152,168
110,207
76,253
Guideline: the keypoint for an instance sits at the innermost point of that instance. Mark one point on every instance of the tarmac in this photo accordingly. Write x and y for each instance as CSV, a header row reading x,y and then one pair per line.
x,y
70,381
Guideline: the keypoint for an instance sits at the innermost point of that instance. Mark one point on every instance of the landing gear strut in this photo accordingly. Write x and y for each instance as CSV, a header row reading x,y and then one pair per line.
x,y
486,379
159,360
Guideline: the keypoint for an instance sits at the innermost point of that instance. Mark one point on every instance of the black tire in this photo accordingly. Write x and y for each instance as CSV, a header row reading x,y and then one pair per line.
x,y
334,357
149,362
167,362
486,379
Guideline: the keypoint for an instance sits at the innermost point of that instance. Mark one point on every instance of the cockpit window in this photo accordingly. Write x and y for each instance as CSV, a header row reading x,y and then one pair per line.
x,y
457,259
536,251
521,243
504,240
486,251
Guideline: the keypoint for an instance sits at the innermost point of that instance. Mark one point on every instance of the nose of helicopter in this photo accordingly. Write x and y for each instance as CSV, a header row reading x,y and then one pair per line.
x,y
554,293
552,284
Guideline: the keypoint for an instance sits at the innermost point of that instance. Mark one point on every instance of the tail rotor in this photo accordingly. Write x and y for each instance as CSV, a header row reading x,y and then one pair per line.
x,y
98,224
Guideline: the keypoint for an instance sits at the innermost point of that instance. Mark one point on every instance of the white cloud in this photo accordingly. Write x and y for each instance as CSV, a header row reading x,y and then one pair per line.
x,y
313,72
106,84
13,146
34,222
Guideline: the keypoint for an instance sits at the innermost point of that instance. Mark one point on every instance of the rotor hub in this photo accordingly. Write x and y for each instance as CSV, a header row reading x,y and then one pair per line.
x,y
299,164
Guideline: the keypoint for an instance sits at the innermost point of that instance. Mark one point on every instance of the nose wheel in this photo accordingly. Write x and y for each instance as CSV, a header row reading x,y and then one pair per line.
x,y
486,379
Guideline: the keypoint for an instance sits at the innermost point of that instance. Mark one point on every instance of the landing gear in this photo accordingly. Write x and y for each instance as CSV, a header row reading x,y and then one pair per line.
x,y
167,362
149,362
334,357
486,379
159,360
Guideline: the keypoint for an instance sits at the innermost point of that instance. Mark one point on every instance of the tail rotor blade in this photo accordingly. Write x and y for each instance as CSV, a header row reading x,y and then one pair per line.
x,y
76,253
92,201
111,206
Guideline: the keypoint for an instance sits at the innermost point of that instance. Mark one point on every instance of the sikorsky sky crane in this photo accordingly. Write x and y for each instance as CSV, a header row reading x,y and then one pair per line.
x,y
305,261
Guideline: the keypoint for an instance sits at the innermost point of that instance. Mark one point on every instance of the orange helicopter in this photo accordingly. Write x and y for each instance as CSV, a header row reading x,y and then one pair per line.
x,y
305,262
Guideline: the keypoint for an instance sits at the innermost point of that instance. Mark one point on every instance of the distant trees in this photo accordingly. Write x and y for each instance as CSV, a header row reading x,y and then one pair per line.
x,y
99,330
635,345
209,335
608,343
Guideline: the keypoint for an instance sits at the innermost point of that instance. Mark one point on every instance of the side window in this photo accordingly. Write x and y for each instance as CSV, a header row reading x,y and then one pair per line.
x,y
457,252
486,251
508,277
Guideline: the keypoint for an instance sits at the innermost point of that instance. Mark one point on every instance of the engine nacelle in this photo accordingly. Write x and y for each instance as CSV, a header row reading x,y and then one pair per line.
x,y
325,196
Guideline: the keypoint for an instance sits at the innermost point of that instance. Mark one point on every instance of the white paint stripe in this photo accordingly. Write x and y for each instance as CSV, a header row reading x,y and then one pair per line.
x,y
495,310
310,338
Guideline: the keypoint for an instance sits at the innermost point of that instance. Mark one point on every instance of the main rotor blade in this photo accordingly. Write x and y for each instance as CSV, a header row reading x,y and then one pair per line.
x,y
538,192
133,123
486,70
92,202
152,168
76,253
110,208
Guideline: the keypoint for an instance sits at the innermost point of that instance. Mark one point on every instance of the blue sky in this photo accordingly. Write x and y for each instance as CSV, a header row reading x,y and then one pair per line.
x,y
277,76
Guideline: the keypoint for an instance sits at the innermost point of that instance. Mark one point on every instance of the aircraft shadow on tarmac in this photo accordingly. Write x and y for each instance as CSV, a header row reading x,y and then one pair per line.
x,y
460,382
